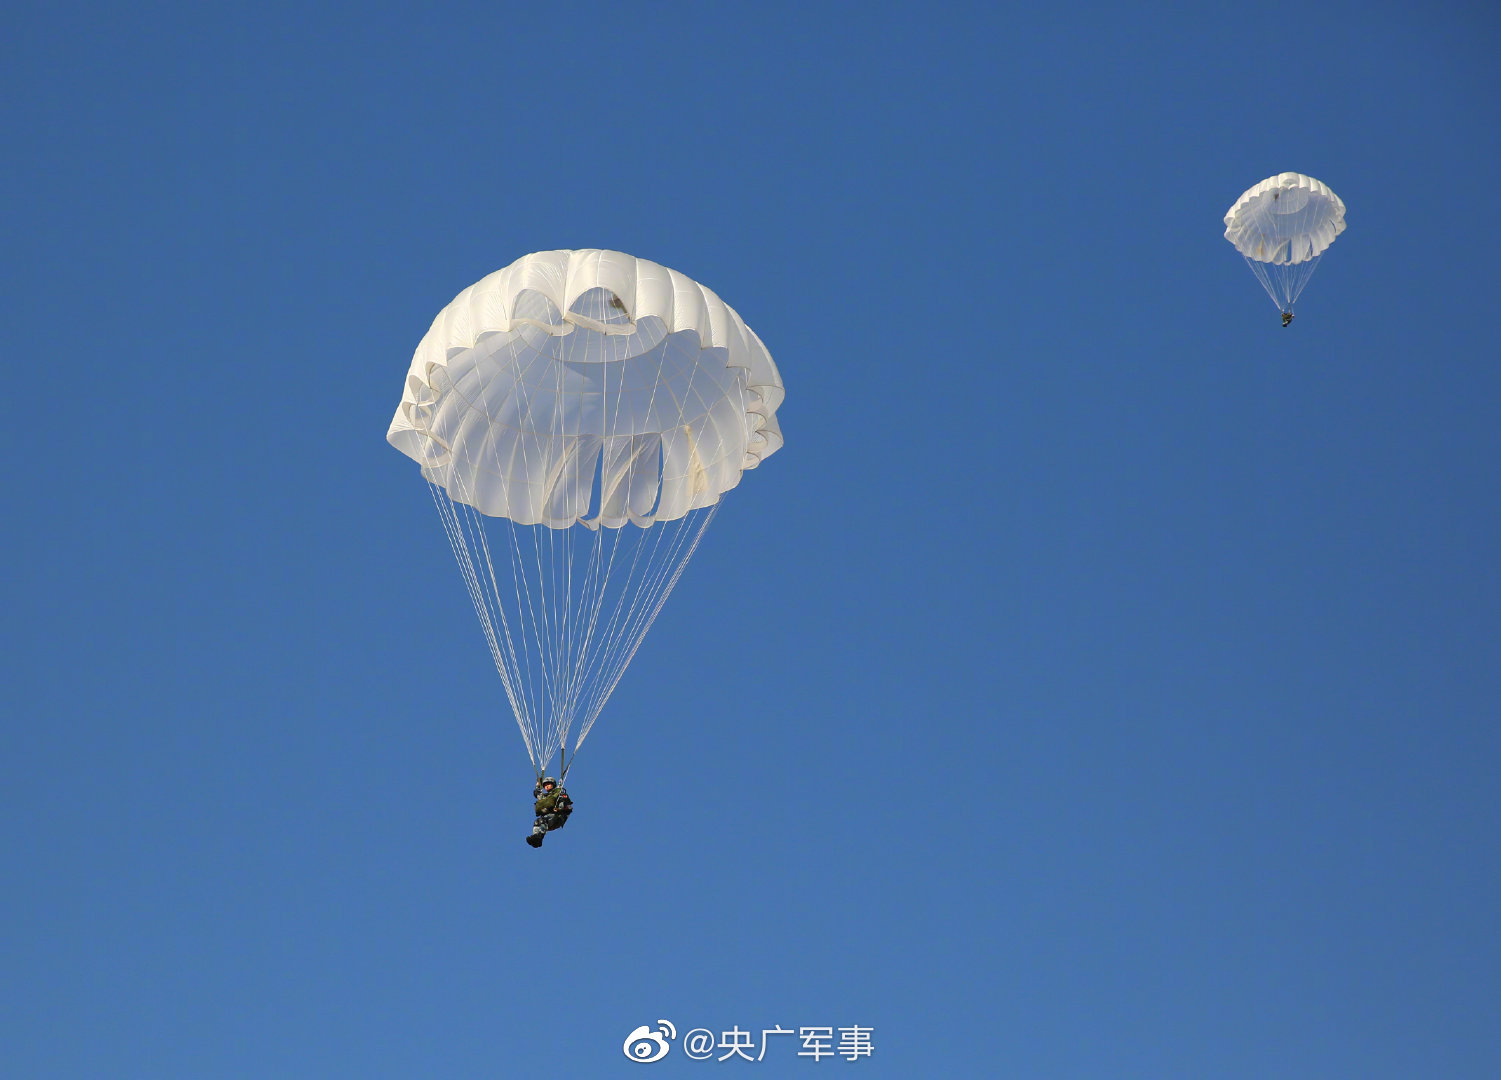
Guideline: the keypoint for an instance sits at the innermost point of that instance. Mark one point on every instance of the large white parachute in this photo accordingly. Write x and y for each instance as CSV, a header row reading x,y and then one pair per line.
x,y
578,415
1282,226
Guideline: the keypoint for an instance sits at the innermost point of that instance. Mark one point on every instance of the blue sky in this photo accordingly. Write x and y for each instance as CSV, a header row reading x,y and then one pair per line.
x,y
1101,682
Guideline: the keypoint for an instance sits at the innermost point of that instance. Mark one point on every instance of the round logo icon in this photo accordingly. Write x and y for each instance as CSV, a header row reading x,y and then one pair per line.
x,y
645,1045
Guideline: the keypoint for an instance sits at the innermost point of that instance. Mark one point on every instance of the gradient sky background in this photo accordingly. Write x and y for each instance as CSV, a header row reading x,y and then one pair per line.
x,y
1102,682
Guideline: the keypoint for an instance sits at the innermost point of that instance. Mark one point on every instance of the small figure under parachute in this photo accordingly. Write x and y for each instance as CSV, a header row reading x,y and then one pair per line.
x,y
553,806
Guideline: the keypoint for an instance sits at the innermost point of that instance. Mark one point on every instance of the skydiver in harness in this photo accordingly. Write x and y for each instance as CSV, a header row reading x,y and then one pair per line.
x,y
552,807
1287,318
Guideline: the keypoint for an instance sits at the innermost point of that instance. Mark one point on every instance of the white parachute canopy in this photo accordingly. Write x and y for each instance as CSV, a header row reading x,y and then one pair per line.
x,y
1282,226
578,416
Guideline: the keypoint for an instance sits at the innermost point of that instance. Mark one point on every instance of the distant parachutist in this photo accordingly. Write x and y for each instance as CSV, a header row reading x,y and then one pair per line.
x,y
1283,240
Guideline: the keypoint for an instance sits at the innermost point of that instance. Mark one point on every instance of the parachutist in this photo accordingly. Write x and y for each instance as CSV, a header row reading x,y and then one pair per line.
x,y
552,808
1283,240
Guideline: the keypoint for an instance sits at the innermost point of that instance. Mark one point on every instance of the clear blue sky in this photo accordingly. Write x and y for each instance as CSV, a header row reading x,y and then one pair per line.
x,y
1102,682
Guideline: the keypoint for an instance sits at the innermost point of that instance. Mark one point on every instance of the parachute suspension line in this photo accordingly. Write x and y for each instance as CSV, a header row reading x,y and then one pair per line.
x,y
1260,270
634,585
516,675
1284,283
681,548
596,582
1300,278
628,623
453,530
518,688
489,613
659,575
535,607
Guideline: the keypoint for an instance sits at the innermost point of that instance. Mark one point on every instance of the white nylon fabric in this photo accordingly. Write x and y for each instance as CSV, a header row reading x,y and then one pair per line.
x,y
588,386
1285,220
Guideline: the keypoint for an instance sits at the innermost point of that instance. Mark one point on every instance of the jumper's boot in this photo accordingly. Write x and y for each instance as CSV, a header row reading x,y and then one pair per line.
x,y
535,839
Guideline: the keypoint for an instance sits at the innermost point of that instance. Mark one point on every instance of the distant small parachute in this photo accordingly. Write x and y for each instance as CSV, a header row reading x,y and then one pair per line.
x,y
578,417
1283,226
